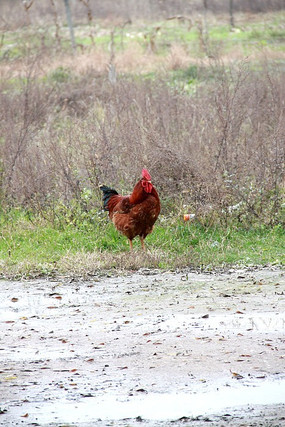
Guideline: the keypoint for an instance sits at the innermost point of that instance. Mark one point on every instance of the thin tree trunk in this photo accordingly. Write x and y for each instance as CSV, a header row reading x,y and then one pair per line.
x,y
232,22
205,4
70,25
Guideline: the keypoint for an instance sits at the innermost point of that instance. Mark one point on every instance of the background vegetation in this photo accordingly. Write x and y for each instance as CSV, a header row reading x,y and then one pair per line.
x,y
194,91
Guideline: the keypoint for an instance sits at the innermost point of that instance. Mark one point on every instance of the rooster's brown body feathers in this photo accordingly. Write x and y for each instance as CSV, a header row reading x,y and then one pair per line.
x,y
133,215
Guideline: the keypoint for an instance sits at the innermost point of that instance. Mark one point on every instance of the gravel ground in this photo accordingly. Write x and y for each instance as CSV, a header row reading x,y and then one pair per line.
x,y
150,348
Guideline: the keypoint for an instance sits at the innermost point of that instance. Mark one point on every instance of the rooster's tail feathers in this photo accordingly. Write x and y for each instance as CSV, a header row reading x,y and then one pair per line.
x,y
107,194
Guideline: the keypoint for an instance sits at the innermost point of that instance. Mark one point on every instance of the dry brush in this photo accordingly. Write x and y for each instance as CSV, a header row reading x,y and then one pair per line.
x,y
219,150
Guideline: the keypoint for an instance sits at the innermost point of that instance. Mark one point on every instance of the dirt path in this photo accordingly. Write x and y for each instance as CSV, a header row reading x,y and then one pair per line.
x,y
156,349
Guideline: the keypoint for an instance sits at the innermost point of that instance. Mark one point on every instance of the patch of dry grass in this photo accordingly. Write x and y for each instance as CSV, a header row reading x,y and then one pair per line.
x,y
24,270
94,59
85,265
177,58
133,59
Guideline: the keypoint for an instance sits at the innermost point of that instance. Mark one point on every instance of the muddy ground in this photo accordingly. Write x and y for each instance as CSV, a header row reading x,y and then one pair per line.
x,y
150,348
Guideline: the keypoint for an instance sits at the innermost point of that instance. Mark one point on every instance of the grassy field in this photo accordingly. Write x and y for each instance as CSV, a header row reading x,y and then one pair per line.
x,y
191,102
141,47
32,249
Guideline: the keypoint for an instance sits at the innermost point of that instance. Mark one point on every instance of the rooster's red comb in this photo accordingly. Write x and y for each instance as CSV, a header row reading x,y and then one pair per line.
x,y
146,175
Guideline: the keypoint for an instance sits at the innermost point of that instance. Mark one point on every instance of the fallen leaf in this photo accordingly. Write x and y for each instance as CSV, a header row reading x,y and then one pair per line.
x,y
14,299
141,390
10,378
203,338
237,375
25,416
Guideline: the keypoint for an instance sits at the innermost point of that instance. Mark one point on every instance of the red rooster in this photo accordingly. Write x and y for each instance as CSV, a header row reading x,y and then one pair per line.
x,y
136,214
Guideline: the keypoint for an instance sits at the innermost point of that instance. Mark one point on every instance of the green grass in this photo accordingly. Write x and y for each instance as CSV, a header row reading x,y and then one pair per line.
x,y
33,249
265,30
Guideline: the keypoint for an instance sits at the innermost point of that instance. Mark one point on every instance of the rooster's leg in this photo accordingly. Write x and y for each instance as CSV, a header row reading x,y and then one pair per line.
x,y
142,243
131,244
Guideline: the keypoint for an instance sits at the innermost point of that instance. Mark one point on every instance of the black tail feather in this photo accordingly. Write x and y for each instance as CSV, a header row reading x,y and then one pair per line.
x,y
107,194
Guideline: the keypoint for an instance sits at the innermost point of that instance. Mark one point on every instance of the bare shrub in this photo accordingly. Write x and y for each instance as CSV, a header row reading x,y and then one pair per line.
x,y
220,151
250,149
23,112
